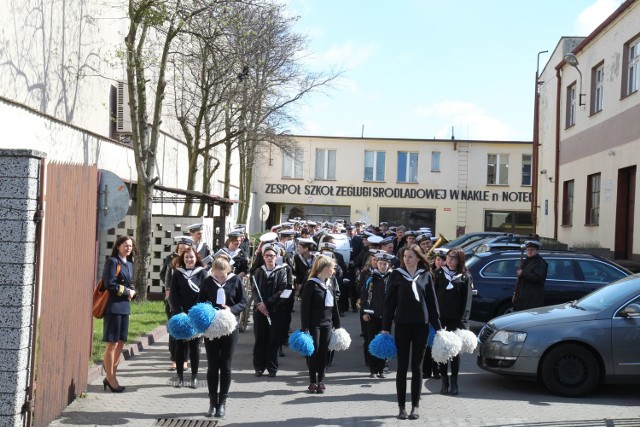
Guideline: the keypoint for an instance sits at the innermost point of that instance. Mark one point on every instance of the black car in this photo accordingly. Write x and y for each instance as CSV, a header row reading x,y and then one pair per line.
x,y
570,276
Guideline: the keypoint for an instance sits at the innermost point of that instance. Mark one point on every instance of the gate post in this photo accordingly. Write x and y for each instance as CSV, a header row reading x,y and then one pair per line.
x,y
20,187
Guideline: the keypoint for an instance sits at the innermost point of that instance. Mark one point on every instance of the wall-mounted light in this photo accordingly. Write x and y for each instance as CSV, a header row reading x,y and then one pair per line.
x,y
543,171
550,179
572,60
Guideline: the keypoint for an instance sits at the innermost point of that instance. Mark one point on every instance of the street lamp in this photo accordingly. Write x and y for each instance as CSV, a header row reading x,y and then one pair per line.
x,y
572,60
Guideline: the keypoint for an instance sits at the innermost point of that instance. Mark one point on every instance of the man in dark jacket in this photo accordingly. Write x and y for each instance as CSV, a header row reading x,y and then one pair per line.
x,y
531,277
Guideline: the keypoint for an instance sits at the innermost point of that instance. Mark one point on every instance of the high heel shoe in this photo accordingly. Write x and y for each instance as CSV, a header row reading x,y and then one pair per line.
x,y
106,384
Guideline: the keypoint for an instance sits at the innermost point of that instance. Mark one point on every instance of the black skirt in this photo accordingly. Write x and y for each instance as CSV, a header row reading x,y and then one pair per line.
x,y
115,327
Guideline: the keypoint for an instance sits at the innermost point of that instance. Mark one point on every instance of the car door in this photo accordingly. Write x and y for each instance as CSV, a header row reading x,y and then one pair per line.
x,y
595,273
625,343
562,284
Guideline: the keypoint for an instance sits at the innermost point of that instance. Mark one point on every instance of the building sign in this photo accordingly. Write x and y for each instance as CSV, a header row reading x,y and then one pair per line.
x,y
398,193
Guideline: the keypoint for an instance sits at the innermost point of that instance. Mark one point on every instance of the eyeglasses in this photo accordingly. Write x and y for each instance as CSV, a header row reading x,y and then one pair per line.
x,y
269,256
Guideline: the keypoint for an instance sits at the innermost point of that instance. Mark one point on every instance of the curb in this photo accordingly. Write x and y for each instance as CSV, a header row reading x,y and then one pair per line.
x,y
129,351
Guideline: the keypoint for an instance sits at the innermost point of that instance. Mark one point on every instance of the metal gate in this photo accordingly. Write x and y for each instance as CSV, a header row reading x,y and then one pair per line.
x,y
64,321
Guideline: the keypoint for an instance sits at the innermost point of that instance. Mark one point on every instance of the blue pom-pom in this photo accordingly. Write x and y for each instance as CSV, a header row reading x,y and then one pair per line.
x,y
383,346
180,327
432,335
301,342
201,315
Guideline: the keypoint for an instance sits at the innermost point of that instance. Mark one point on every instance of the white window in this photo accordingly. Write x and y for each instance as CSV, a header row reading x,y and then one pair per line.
x,y
435,161
526,169
571,105
633,66
498,169
292,164
325,164
374,162
407,166
598,89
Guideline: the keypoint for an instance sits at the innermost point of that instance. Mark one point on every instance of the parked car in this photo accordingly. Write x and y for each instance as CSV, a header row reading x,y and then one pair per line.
x,y
469,238
494,244
570,276
573,347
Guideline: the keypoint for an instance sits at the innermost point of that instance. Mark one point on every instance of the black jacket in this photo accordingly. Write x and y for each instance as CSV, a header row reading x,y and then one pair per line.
x,y
530,284
454,303
402,306
373,293
301,269
271,287
183,296
119,286
236,299
313,313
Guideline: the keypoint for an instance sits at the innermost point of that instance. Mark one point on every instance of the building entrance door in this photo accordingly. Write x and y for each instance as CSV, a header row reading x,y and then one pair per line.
x,y
625,206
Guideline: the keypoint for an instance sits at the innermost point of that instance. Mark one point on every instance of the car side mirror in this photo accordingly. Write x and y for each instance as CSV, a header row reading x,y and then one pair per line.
x,y
631,311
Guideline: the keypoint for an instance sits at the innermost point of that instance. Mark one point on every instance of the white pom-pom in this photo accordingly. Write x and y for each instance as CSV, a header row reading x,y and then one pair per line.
x,y
446,345
223,324
339,340
469,340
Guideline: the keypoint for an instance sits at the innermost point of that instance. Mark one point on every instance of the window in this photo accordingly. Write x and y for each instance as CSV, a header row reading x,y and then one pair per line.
x,y
407,166
435,161
374,165
292,164
632,68
597,89
571,105
412,218
593,200
517,222
498,169
325,164
526,169
567,203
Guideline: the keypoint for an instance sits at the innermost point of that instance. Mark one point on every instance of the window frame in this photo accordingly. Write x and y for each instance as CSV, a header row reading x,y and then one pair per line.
x,y
592,208
375,168
528,173
326,173
572,92
295,163
568,198
631,67
597,88
407,167
498,169
436,156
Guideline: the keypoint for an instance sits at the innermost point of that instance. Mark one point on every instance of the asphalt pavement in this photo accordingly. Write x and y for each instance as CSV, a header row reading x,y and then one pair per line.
x,y
351,398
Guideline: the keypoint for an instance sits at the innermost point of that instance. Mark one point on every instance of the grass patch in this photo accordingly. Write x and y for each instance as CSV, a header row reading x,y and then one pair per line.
x,y
145,317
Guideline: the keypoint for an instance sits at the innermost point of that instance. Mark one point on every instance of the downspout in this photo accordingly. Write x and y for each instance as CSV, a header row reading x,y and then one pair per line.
x,y
536,156
557,160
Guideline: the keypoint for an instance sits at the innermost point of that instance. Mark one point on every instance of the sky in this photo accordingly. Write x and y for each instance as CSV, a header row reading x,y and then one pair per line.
x,y
418,68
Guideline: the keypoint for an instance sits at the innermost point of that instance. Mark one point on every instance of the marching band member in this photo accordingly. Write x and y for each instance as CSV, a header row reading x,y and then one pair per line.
x,y
235,254
195,231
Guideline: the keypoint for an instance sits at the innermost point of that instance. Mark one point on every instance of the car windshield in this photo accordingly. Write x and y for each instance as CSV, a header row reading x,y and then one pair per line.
x,y
605,296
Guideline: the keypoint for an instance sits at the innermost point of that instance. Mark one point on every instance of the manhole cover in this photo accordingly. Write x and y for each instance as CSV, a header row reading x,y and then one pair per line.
x,y
178,422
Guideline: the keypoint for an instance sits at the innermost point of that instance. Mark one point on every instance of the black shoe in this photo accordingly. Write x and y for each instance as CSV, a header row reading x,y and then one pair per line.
x,y
445,385
194,383
272,374
403,414
454,386
220,410
258,373
342,314
106,384
381,375
281,354
415,413
212,409
372,375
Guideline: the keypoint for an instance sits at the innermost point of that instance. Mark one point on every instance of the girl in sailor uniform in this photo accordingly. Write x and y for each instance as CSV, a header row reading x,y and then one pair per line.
x,y
453,285
411,304
225,291
372,305
318,315
271,298
185,287
232,250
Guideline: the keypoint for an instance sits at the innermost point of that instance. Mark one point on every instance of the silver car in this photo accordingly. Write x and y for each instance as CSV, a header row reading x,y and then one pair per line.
x,y
572,348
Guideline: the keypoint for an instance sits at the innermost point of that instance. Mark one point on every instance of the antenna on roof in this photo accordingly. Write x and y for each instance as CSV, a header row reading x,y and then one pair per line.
x,y
452,135
362,133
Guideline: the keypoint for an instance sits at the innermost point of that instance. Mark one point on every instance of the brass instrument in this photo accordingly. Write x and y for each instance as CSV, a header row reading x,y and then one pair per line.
x,y
440,242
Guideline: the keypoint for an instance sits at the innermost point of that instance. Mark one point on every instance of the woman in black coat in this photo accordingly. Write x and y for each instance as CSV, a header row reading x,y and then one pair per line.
x,y
453,285
270,312
411,303
318,315
185,286
117,278
224,290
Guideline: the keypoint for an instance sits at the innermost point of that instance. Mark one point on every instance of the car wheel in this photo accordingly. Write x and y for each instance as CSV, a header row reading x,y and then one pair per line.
x,y
570,370
504,308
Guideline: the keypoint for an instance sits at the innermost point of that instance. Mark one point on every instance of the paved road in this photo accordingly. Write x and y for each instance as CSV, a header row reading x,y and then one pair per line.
x,y
351,397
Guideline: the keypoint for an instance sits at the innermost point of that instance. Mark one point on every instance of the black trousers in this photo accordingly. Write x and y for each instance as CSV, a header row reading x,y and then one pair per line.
x,y
267,340
451,325
219,355
172,340
347,293
286,322
411,339
372,328
317,362
191,347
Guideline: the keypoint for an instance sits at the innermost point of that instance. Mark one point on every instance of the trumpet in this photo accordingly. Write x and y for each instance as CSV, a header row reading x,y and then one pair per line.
x,y
440,242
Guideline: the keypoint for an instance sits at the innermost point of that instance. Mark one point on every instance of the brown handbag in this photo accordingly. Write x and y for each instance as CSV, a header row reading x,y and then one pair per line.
x,y
101,297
